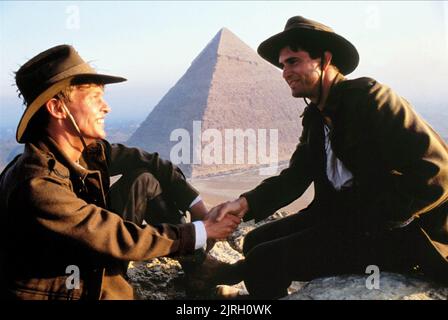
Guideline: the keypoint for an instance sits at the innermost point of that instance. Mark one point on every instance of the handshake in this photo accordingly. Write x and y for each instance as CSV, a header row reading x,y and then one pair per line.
x,y
222,220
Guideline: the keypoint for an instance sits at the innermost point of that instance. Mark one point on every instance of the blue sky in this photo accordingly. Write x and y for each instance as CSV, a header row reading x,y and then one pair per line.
x,y
403,44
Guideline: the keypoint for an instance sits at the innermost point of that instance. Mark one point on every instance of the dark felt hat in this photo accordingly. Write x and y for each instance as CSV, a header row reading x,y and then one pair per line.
x,y
299,30
45,75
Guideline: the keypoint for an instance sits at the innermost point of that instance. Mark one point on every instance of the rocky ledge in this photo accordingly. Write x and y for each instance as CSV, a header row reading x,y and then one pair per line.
x,y
161,279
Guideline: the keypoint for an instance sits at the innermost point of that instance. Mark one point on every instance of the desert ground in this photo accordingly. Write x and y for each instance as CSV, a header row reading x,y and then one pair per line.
x,y
218,189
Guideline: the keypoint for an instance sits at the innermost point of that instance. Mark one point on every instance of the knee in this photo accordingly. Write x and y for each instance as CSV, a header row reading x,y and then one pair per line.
x,y
265,278
147,183
249,242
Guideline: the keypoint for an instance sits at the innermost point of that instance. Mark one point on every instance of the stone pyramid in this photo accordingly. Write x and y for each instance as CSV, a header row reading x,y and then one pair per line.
x,y
227,86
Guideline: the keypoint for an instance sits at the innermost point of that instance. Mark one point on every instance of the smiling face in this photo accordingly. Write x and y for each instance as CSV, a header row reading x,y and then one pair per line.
x,y
89,109
301,72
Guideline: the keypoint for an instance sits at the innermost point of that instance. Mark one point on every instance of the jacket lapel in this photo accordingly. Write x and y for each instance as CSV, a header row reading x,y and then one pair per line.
x,y
316,140
343,142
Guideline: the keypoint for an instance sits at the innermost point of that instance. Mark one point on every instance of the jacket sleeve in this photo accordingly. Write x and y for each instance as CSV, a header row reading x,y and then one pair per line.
x,y
276,192
416,160
124,159
51,204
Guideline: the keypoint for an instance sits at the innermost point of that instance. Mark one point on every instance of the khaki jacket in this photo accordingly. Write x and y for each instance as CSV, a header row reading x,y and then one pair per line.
x,y
54,215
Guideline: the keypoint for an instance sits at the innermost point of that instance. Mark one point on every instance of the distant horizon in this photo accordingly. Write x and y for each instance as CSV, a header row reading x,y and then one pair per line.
x,y
115,119
439,124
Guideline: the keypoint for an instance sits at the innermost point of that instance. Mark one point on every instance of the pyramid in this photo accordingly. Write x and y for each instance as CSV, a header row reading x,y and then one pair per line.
x,y
227,87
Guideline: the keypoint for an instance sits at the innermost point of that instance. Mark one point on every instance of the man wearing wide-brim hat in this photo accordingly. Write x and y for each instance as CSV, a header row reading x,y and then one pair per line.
x,y
66,234
380,176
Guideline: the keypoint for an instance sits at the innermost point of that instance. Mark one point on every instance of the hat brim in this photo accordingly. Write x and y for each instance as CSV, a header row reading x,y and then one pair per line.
x,y
54,89
96,78
345,55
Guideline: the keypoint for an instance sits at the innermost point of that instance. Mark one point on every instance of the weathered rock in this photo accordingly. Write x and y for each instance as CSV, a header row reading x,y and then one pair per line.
x,y
353,287
160,279
156,279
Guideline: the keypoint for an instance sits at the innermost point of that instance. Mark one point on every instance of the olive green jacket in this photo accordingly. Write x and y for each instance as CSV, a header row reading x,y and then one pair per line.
x,y
54,215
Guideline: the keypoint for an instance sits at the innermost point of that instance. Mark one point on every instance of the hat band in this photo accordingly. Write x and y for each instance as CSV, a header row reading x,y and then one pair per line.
x,y
76,70
301,25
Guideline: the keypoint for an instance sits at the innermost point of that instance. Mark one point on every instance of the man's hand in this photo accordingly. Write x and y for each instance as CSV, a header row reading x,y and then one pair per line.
x,y
237,208
221,229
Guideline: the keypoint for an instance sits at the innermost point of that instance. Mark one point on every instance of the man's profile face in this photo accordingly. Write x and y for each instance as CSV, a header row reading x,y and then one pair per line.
x,y
89,109
300,72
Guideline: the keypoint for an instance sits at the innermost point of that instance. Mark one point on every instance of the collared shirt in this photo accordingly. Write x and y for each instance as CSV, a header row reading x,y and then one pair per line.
x,y
339,176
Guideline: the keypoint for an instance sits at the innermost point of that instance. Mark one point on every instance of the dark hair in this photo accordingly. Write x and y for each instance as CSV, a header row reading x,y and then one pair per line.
x,y
314,50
